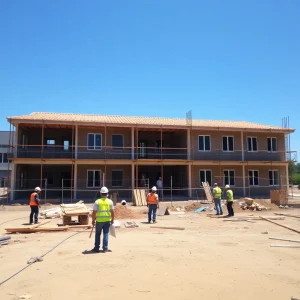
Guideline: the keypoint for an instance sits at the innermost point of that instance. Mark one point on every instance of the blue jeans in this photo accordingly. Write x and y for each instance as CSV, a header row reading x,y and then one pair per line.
x,y
99,227
152,210
218,206
159,194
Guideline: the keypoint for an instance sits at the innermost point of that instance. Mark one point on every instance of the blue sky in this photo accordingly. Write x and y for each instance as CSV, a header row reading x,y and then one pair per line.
x,y
233,60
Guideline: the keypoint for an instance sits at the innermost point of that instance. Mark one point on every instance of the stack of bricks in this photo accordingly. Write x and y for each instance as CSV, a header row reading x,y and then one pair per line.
x,y
279,197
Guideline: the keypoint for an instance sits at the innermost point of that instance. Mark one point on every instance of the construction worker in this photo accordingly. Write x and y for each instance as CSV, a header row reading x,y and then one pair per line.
x,y
159,185
152,204
34,206
229,195
103,216
217,194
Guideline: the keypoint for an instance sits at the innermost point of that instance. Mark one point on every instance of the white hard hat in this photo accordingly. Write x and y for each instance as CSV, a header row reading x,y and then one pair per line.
x,y
123,202
104,190
227,186
154,188
37,189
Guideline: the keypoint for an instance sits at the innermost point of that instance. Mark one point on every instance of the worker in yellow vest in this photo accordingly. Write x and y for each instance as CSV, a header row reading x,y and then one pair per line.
x,y
229,195
34,203
103,216
217,194
153,204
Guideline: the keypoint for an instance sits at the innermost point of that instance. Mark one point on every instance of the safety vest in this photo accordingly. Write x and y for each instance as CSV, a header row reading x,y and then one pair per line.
x,y
230,196
103,214
152,198
32,200
218,192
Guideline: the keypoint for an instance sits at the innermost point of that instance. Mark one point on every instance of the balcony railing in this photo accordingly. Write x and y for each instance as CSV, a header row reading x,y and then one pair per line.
x,y
160,153
144,153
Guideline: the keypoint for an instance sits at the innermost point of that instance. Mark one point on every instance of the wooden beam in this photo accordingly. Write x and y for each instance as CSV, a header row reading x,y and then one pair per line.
x,y
285,246
286,240
284,226
167,227
287,215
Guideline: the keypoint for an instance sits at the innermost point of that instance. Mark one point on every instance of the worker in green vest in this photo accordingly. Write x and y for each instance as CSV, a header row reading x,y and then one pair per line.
x,y
217,193
103,218
229,195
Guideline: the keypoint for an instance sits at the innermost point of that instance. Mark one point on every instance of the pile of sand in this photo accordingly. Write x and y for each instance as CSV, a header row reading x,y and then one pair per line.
x,y
124,212
192,206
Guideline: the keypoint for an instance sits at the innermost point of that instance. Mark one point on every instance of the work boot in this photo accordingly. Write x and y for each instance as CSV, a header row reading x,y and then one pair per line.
x,y
107,250
95,250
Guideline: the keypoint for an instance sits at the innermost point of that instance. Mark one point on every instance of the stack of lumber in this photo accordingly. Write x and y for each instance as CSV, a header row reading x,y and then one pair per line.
x,y
76,209
52,213
251,205
207,191
139,197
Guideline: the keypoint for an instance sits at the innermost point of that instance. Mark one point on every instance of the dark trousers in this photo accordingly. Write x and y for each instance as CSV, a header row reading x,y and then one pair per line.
x,y
35,212
230,209
152,212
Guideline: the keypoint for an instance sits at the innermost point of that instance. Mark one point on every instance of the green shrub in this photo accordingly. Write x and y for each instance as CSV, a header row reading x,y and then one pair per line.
x,y
296,179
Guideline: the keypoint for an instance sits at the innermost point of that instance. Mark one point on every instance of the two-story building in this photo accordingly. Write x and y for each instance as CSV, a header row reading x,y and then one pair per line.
x,y
76,154
5,167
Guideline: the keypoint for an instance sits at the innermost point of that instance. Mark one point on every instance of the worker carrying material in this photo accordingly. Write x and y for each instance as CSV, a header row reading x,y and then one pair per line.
x,y
229,195
34,206
217,193
103,217
153,204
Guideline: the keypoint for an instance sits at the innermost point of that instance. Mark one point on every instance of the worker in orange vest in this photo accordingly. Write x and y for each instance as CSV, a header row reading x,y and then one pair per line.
x,y
34,205
153,205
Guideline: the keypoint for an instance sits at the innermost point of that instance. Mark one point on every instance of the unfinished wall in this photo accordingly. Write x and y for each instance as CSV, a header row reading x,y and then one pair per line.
x,y
84,192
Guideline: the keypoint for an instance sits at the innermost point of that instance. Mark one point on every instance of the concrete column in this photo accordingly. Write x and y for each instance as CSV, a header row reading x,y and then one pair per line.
x,y
287,177
242,143
190,179
76,142
132,176
188,143
132,143
15,140
75,181
13,181
244,181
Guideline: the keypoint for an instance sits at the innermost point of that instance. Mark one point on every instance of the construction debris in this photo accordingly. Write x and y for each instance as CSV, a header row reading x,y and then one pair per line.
x,y
192,206
249,203
124,212
283,206
131,224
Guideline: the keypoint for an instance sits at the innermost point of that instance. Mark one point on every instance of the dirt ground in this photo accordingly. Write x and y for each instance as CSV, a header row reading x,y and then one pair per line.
x,y
210,259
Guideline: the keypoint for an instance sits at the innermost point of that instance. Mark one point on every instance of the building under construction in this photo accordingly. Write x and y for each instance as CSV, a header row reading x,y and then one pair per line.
x,y
73,155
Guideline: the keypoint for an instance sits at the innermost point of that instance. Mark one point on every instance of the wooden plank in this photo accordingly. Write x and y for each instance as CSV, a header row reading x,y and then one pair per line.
x,y
74,214
284,226
285,246
287,215
143,197
286,240
134,197
207,191
41,224
32,230
168,227
139,197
